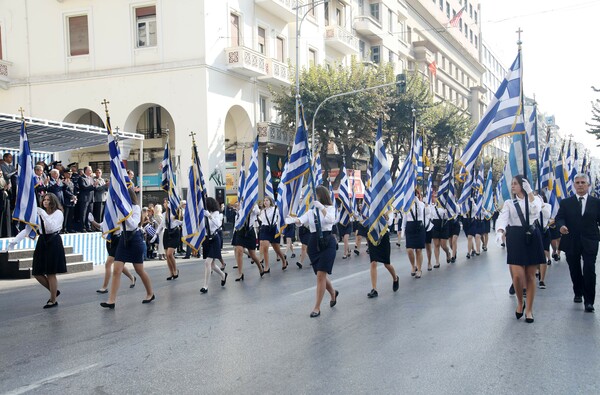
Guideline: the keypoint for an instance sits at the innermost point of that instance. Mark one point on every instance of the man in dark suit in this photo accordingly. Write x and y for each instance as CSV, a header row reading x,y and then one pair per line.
x,y
578,219
86,197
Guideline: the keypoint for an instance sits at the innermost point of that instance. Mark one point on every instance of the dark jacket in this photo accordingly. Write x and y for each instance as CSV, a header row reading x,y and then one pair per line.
x,y
583,230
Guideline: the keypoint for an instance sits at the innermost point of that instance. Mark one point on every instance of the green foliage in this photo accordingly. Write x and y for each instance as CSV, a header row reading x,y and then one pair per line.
x,y
595,123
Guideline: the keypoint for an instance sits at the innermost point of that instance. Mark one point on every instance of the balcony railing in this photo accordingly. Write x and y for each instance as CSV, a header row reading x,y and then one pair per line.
x,y
340,39
277,73
369,26
245,61
284,9
152,133
4,74
269,132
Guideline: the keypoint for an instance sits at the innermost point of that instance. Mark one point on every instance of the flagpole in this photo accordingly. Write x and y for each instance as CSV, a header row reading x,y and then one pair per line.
x,y
523,143
414,140
537,151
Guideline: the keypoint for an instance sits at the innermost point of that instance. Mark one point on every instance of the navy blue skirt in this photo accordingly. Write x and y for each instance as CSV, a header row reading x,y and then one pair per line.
x,y
290,232
245,238
212,248
454,227
518,252
554,232
134,250
321,260
362,230
171,238
304,235
267,233
381,252
487,225
49,255
415,235
440,231
111,246
546,239
344,230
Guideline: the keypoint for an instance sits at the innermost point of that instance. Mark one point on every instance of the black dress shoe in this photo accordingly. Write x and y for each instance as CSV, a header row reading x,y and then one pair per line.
x,y
169,278
267,271
149,300
372,294
57,295
132,285
529,320
333,302
102,291
577,299
315,314
396,284
107,305
176,275
511,290
223,281
203,290
240,278
50,305
519,315
299,265
589,308
453,259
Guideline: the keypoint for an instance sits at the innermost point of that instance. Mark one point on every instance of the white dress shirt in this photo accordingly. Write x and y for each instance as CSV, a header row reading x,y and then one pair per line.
x,y
215,219
327,221
583,202
269,216
417,215
509,216
52,222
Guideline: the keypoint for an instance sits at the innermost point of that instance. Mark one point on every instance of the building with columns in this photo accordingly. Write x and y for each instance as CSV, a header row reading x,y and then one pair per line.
x,y
173,67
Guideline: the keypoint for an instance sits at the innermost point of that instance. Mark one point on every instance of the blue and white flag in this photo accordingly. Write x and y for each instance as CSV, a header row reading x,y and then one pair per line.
x,y
318,170
466,191
366,197
545,170
288,198
410,185
597,188
269,182
168,181
478,193
380,192
241,181
532,139
400,182
419,154
488,194
446,177
572,168
560,177
450,201
513,167
26,202
429,190
553,199
118,205
503,116
250,189
194,227
298,163
344,196
306,199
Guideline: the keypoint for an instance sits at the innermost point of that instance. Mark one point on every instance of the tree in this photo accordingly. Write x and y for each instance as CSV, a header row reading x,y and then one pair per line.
x,y
595,125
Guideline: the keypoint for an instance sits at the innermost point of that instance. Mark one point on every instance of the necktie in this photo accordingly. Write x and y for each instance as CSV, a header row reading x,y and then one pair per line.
x,y
581,204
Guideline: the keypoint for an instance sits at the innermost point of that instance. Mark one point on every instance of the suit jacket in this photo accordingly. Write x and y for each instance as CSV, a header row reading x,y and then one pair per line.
x,y
101,190
583,230
57,189
86,189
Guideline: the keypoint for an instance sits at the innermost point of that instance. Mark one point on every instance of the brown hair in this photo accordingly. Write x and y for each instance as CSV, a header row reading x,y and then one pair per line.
x,y
53,204
133,196
323,195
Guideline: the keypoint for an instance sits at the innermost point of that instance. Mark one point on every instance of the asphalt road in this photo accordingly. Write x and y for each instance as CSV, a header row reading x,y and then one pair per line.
x,y
451,332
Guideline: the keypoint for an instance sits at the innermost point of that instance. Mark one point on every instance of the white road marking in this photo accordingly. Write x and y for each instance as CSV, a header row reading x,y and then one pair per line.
x,y
338,280
48,380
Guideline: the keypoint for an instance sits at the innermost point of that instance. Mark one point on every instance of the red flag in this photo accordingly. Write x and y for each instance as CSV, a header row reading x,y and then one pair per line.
x,y
454,21
433,68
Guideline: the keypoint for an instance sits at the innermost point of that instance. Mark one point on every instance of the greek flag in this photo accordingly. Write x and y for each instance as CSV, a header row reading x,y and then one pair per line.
x,y
572,168
488,194
450,201
503,116
332,195
553,199
269,182
429,189
26,202
514,166
532,133
288,198
597,187
545,170
498,193
408,189
305,200
366,197
419,154
380,192
298,163
168,180
194,226
478,195
466,192
344,196
118,204
446,189
250,189
318,170
560,178
241,181
400,182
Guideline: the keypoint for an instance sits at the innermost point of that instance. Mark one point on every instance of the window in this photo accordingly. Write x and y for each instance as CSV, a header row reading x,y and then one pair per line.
x,y
145,18
326,5
312,56
390,57
340,15
374,8
262,109
78,35
471,36
408,35
261,40
442,5
460,24
475,16
390,21
361,49
475,41
375,54
466,31
401,30
448,10
234,25
280,45
104,166
471,10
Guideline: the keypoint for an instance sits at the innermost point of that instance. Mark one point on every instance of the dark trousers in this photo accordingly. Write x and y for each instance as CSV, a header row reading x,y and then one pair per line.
x,y
98,211
584,282
68,219
86,207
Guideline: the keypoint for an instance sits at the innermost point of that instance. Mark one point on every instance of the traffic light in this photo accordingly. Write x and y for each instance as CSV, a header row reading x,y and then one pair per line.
x,y
400,83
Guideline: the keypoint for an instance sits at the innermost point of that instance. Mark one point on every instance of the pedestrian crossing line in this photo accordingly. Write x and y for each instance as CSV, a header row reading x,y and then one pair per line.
x,y
336,281
48,380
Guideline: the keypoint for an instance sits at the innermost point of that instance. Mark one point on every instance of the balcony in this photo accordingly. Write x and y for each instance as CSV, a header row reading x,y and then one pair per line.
x,y
284,9
277,73
4,69
269,132
245,61
341,40
370,27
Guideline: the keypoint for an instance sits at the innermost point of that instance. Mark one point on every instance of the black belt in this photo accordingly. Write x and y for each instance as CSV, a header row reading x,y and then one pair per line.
x,y
50,234
325,232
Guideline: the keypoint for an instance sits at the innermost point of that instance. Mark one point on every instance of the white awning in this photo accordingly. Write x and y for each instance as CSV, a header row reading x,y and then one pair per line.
x,y
53,136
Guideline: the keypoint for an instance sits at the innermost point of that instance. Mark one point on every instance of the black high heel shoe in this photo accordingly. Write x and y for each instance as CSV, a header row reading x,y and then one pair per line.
x,y
299,265
519,315
529,320
107,305
241,278
223,281
176,275
267,271
133,283
149,300
333,302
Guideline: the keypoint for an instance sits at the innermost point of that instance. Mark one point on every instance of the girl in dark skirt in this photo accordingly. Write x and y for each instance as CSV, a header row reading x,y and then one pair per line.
x,y
211,247
131,248
454,225
49,255
245,237
269,220
398,226
381,253
289,236
485,236
441,229
321,252
344,226
304,236
543,226
111,248
523,243
413,224
359,228
171,238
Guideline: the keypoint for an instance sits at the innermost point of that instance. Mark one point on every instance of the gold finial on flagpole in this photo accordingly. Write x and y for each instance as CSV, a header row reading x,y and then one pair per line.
x,y
192,134
519,31
22,111
105,103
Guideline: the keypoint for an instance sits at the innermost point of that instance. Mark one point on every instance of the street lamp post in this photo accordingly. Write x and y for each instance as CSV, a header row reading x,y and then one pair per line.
x,y
298,24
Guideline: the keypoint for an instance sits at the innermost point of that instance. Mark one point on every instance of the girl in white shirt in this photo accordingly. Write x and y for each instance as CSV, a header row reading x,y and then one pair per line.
x,y
269,220
414,224
321,252
211,247
169,228
523,243
441,230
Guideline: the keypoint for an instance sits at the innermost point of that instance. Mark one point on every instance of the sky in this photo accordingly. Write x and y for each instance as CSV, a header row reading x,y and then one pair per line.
x,y
561,55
